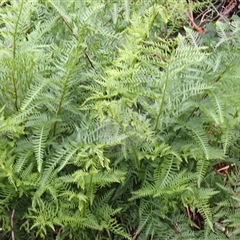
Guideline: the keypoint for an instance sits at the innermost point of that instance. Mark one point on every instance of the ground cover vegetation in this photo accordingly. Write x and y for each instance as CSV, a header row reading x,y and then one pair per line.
x,y
119,119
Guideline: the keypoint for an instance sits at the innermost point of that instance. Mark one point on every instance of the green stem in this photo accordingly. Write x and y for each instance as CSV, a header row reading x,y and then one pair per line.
x,y
137,163
62,98
162,102
89,189
14,56
90,184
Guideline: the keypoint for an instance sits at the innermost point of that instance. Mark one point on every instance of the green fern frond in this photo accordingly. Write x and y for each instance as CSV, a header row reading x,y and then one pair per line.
x,y
202,203
193,37
202,167
116,228
22,161
200,136
146,219
99,178
34,94
145,191
226,139
53,166
39,143
205,210
60,10
164,174
217,112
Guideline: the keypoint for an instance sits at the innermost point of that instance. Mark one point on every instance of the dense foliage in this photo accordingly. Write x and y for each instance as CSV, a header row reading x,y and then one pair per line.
x,y
118,121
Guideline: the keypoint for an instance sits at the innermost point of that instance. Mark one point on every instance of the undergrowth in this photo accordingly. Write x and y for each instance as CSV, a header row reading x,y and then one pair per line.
x,y
117,123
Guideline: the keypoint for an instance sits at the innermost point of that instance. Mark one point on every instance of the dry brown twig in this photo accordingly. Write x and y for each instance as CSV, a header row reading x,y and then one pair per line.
x,y
12,216
225,169
225,13
191,19
203,16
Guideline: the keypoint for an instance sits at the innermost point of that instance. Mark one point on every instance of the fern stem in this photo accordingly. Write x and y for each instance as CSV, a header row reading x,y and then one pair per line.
x,y
15,87
109,235
62,98
84,209
90,186
14,56
162,102
137,164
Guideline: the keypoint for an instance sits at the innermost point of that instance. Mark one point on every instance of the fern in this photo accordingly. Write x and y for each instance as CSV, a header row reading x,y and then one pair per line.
x,y
109,129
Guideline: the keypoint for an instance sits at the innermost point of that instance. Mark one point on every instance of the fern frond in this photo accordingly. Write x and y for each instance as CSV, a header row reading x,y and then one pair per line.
x,y
98,178
22,161
164,174
34,94
202,203
217,113
116,228
39,143
145,214
205,210
200,137
202,167
145,191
